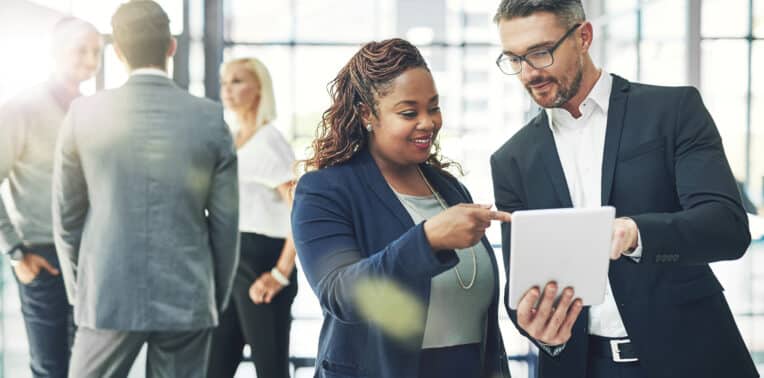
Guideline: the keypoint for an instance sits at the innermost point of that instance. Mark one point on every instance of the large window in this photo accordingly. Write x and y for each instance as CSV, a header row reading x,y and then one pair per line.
x,y
658,42
304,43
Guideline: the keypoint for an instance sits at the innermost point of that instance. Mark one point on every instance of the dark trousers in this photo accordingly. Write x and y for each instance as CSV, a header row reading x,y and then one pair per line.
x,y
48,318
264,327
459,361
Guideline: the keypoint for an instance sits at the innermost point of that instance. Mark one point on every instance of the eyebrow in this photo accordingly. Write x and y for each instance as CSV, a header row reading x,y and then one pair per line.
x,y
412,102
531,48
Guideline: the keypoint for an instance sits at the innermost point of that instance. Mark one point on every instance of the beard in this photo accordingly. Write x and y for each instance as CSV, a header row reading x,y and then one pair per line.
x,y
564,92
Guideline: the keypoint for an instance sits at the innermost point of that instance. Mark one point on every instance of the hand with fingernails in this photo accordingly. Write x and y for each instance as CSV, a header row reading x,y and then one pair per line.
x,y
625,237
461,226
548,320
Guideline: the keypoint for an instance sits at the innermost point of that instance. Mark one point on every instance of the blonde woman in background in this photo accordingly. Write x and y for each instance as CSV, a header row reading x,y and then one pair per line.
x,y
265,283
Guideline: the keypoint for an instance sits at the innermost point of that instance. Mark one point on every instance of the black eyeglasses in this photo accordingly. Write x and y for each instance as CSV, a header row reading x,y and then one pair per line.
x,y
511,64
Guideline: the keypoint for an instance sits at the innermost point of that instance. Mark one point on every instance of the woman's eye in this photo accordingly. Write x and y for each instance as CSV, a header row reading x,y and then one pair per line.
x,y
408,114
435,109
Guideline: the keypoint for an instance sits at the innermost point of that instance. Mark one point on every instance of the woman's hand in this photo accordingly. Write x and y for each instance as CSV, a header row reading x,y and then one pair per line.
x,y
264,288
461,226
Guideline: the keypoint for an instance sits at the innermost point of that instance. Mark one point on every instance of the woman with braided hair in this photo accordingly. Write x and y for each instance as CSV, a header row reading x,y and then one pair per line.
x,y
389,241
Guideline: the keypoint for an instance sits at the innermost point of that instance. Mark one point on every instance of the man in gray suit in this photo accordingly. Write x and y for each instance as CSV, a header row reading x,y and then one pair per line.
x,y
145,212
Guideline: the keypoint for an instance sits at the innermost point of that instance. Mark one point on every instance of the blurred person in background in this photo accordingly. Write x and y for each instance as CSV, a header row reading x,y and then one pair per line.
x,y
389,240
266,280
29,125
145,212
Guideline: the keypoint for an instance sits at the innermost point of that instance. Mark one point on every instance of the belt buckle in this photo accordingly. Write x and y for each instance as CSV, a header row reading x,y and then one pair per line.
x,y
616,352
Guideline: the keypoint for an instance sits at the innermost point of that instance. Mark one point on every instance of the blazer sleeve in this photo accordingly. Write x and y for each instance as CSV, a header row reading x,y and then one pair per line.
x,y
712,224
329,252
223,217
70,203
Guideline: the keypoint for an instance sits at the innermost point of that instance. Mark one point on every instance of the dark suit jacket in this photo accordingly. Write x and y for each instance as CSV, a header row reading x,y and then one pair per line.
x,y
663,166
363,257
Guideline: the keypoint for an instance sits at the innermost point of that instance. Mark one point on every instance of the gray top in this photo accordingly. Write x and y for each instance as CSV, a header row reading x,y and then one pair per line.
x,y
455,316
29,125
145,208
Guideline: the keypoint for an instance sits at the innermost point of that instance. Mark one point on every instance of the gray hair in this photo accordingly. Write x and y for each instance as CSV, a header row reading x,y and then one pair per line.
x,y
568,12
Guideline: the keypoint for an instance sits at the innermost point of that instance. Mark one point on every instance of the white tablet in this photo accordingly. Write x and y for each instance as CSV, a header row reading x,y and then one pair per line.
x,y
569,246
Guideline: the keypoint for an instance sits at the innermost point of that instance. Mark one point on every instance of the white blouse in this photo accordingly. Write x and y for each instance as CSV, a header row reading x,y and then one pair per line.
x,y
265,162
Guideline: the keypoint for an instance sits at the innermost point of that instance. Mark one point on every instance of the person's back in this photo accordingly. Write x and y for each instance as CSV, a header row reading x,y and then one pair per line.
x,y
149,152
145,211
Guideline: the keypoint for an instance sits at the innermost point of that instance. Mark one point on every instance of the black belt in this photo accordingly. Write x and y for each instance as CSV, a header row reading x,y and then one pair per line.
x,y
616,349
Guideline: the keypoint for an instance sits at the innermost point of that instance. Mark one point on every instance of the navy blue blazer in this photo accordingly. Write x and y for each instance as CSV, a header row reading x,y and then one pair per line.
x,y
350,229
663,166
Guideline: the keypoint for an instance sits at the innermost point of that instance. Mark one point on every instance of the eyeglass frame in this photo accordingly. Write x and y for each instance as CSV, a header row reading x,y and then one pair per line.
x,y
523,58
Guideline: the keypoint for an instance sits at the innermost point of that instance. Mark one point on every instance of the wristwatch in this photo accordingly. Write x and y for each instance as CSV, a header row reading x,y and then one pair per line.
x,y
16,254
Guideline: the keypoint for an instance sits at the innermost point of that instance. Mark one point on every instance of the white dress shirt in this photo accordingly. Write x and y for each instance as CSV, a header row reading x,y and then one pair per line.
x,y
580,144
149,71
265,162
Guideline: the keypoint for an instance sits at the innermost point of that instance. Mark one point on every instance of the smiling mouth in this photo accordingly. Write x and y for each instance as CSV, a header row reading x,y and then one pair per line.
x,y
422,142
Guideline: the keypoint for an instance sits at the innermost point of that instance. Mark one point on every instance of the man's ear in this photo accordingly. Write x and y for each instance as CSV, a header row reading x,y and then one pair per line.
x,y
119,54
587,35
172,48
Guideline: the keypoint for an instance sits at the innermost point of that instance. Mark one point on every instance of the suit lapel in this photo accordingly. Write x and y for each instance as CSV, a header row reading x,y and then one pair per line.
x,y
547,152
613,131
368,170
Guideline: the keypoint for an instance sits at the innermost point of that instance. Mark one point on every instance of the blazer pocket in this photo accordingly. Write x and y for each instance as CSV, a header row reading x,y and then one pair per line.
x,y
686,292
643,149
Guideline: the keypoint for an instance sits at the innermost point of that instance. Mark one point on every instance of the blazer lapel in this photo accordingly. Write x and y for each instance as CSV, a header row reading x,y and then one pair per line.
x,y
368,170
451,194
551,158
613,131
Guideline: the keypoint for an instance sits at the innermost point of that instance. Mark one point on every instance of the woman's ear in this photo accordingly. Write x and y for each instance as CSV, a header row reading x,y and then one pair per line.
x,y
366,114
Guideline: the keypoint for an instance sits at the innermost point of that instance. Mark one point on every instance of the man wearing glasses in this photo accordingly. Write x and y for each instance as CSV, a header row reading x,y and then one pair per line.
x,y
654,154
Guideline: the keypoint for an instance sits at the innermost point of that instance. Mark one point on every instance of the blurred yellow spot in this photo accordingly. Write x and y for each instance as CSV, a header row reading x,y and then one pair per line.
x,y
392,308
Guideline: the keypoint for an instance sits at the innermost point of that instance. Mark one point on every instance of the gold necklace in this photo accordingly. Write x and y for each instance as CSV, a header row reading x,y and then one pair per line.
x,y
442,204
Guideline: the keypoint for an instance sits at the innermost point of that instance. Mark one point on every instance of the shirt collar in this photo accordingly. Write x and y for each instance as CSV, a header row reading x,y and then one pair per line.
x,y
149,71
599,95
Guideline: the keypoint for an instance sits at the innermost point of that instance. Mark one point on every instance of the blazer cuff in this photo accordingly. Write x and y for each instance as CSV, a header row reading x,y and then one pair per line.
x,y
552,350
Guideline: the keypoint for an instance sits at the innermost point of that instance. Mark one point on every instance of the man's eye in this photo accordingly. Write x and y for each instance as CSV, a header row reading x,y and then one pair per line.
x,y
537,54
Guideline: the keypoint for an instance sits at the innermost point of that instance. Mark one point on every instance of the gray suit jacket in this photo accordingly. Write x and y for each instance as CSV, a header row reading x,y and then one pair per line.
x,y
145,208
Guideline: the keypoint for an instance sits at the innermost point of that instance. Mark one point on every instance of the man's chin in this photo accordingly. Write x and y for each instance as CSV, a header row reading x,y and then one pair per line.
x,y
546,101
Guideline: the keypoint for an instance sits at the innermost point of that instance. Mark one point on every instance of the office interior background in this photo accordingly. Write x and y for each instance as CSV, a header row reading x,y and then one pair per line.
x,y
711,44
